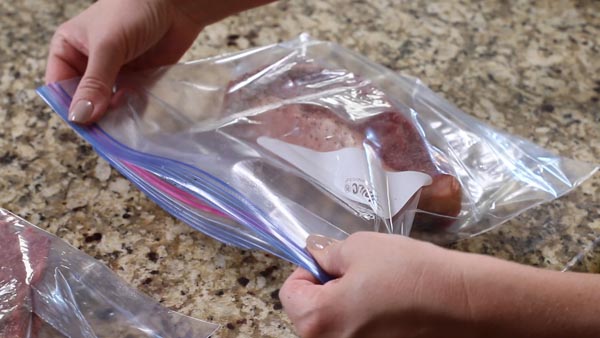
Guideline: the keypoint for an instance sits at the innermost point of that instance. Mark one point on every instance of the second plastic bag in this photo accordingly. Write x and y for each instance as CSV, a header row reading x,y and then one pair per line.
x,y
263,147
49,289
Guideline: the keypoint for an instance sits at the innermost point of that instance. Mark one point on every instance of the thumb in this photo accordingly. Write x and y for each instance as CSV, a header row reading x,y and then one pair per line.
x,y
94,91
327,252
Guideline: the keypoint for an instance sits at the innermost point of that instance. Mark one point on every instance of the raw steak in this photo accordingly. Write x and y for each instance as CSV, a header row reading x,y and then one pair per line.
x,y
392,136
22,257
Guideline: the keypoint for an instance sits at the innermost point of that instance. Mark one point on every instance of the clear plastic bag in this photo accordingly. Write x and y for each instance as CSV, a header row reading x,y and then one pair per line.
x,y
50,289
263,147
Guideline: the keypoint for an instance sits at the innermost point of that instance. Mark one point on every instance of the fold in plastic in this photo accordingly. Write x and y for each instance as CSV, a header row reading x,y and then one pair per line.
x,y
263,147
50,289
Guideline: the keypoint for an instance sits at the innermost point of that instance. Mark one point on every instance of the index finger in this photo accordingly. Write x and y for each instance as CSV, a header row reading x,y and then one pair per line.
x,y
64,61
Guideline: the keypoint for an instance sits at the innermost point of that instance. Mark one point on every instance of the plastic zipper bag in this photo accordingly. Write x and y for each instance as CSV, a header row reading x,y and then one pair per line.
x,y
261,148
50,289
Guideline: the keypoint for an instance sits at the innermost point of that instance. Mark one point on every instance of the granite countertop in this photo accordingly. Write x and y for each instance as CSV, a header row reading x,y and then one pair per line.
x,y
531,70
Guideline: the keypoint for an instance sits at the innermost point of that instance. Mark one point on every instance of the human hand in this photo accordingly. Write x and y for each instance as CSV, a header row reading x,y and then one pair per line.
x,y
394,286
385,286
111,35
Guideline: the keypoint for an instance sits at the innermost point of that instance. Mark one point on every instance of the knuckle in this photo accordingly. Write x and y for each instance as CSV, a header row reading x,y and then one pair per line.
x,y
62,29
108,41
284,294
58,41
94,84
361,235
358,242
314,323
356,239
314,317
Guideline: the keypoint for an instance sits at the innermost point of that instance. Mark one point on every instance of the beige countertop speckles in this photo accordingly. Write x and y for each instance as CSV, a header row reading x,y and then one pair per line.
x,y
530,69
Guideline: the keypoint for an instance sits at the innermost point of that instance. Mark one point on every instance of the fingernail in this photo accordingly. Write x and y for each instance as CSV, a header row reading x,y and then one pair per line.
x,y
81,112
318,242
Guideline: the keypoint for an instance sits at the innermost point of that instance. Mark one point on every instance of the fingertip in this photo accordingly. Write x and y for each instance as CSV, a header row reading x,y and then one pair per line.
x,y
318,242
81,111
87,111
325,251
94,92
90,101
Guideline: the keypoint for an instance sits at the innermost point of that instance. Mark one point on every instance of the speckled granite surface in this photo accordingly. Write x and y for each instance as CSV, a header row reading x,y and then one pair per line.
x,y
531,69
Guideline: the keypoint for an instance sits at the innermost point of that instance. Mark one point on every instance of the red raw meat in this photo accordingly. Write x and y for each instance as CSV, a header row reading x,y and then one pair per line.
x,y
401,148
392,136
305,125
22,258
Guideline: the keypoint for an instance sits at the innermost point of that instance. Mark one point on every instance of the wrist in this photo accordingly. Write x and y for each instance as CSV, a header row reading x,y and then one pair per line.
x,y
206,12
509,299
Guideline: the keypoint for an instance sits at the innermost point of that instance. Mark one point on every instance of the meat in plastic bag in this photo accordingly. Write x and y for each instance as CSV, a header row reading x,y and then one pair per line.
x,y
263,147
50,289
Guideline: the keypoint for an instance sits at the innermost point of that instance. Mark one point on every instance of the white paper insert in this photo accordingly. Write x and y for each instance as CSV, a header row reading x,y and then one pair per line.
x,y
347,174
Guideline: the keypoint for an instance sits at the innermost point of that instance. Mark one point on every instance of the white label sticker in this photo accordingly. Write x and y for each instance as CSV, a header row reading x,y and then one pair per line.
x,y
348,173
